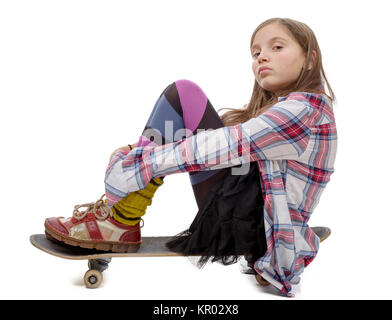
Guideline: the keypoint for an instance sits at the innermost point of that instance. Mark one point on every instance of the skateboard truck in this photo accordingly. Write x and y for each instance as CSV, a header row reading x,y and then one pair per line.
x,y
93,277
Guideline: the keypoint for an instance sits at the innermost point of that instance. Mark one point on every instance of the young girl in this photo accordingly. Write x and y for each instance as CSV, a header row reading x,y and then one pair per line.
x,y
257,173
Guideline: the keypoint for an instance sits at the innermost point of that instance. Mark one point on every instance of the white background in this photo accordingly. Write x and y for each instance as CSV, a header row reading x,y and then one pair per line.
x,y
79,78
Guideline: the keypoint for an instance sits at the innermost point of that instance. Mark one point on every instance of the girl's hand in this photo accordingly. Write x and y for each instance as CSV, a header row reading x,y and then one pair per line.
x,y
125,148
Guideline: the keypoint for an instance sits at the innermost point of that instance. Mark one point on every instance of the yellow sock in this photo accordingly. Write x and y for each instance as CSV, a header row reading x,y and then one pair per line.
x,y
130,209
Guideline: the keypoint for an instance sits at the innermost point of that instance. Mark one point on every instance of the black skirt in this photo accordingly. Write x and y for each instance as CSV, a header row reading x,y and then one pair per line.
x,y
229,224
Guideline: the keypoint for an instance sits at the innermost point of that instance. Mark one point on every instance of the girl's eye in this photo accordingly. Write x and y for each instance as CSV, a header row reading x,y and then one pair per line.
x,y
277,47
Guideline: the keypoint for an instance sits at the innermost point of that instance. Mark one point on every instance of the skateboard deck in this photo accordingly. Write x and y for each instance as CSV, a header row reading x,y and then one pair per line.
x,y
98,260
150,247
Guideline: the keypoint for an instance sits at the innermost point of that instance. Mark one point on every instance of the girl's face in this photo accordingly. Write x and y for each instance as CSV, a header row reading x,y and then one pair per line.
x,y
274,48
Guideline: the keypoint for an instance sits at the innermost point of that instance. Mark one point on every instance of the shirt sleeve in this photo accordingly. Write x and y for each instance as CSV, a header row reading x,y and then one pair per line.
x,y
282,132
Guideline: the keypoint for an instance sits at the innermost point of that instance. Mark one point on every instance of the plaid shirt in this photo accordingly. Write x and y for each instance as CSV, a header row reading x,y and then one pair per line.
x,y
294,143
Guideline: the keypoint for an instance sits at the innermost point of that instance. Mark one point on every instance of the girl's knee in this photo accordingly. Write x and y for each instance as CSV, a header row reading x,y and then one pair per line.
x,y
188,87
185,82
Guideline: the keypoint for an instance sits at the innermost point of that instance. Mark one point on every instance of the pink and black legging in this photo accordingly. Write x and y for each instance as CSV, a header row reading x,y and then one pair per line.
x,y
182,109
228,223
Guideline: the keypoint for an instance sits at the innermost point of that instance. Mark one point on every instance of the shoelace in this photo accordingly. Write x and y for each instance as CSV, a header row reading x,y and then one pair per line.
x,y
94,207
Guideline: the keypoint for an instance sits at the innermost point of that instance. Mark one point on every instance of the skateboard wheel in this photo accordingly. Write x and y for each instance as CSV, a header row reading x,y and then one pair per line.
x,y
92,279
261,280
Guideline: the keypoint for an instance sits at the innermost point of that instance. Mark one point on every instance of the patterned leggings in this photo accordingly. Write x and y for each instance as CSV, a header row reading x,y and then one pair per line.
x,y
182,109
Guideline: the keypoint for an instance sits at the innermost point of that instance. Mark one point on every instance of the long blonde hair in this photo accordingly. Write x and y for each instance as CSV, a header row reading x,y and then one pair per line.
x,y
311,81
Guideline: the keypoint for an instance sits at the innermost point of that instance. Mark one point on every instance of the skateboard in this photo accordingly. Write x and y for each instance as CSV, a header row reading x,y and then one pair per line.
x,y
98,261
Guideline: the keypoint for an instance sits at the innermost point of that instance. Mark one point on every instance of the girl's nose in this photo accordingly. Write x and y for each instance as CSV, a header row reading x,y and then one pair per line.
x,y
262,57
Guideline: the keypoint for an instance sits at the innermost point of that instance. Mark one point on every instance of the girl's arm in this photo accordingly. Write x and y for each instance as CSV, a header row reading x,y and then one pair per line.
x,y
282,132
125,148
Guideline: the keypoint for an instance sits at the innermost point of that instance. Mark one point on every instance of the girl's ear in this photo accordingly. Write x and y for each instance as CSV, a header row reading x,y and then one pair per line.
x,y
314,57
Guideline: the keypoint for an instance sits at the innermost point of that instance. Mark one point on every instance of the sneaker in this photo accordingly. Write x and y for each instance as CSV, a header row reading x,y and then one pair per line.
x,y
94,228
